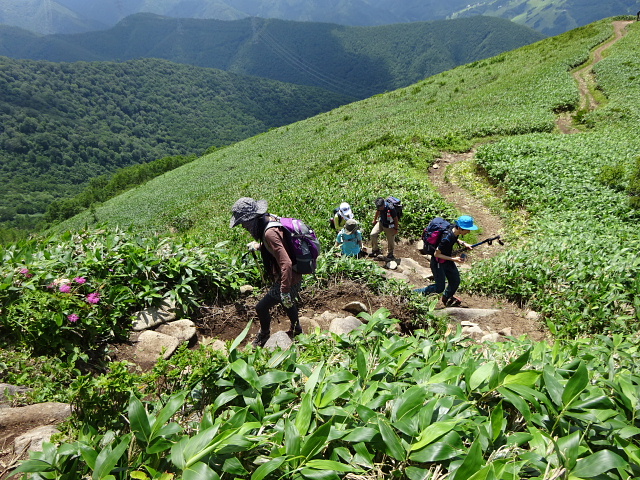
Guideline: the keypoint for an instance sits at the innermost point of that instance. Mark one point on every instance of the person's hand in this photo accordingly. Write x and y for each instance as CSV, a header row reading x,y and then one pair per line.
x,y
286,300
253,246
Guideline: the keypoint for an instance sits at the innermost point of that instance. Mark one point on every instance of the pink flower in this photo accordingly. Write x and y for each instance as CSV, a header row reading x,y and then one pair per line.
x,y
93,297
24,271
65,288
73,318
80,280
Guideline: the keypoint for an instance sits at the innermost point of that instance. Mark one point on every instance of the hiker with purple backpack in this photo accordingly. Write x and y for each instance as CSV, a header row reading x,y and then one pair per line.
x,y
272,239
443,263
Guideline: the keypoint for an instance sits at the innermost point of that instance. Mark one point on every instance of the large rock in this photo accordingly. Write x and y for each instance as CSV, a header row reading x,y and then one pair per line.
x,y
355,307
466,314
344,325
183,330
37,414
33,439
153,345
278,340
154,316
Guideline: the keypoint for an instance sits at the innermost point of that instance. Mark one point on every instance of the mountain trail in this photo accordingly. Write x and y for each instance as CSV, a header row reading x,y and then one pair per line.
x,y
584,77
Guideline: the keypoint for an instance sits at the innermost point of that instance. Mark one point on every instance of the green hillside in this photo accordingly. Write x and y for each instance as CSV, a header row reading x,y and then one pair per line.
x,y
379,402
354,61
66,123
385,143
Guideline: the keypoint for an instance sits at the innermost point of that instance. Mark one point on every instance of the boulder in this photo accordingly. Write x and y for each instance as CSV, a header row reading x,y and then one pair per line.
x,y
38,414
153,345
33,439
154,316
278,340
355,307
183,330
344,325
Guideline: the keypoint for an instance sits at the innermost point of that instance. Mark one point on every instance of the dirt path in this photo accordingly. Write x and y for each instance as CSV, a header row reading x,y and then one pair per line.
x,y
585,79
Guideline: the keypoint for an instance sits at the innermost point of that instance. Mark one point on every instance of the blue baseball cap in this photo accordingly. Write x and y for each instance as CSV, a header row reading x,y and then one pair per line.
x,y
466,223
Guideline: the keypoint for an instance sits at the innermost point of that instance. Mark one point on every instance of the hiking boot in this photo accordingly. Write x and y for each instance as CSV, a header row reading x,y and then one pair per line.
x,y
391,257
261,339
375,253
294,332
451,301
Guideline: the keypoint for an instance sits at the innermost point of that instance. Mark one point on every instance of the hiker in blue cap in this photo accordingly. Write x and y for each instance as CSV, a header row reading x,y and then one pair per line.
x,y
443,264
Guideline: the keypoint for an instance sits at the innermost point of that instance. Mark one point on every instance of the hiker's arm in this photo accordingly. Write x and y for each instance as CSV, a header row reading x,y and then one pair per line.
x,y
275,239
465,244
376,216
442,256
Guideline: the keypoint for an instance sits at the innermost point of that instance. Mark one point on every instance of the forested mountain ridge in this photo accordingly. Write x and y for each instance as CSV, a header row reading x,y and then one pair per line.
x,y
74,16
65,123
356,61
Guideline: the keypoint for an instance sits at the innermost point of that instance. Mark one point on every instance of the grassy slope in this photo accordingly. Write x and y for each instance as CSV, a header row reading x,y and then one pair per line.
x,y
379,145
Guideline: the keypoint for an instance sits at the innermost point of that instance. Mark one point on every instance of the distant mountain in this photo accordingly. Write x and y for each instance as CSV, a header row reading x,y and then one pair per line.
x,y
63,124
74,16
354,61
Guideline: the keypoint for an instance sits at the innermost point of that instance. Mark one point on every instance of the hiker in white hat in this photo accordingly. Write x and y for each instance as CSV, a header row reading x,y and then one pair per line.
x,y
341,215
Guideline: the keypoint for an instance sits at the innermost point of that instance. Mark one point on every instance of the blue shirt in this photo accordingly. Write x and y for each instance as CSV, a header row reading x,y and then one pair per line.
x,y
349,242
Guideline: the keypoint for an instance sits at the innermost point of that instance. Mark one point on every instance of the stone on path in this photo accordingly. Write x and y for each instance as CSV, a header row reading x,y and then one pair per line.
x,y
152,345
355,307
184,330
154,316
466,314
340,326
278,340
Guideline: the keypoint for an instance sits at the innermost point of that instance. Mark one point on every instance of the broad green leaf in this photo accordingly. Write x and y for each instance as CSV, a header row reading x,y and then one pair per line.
x,y
481,375
275,377
361,362
598,463
415,473
303,418
576,384
569,448
332,393
517,401
292,439
330,465
223,399
554,387
173,405
436,452
361,434
472,463
315,442
528,378
34,466
233,466
312,381
139,420
199,471
497,421
409,401
240,338
515,366
447,374
108,458
267,468
247,373
392,442
433,432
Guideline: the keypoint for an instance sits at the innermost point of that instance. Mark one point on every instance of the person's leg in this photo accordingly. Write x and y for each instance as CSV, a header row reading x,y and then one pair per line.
x,y
263,308
390,233
453,282
293,313
374,236
438,279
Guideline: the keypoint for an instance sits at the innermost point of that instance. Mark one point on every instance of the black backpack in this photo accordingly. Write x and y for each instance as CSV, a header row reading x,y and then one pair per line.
x,y
396,204
432,235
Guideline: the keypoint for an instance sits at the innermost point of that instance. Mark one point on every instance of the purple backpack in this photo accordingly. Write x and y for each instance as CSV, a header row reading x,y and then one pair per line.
x,y
433,233
304,244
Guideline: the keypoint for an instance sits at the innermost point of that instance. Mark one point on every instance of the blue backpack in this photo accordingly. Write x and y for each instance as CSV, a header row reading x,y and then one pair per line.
x,y
432,234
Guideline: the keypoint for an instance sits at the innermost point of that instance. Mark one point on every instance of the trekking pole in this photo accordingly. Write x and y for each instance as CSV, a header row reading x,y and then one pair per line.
x,y
488,240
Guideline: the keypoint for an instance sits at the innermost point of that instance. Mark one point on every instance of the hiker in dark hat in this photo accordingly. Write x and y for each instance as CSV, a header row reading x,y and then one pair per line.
x,y
385,220
270,241
443,264
349,239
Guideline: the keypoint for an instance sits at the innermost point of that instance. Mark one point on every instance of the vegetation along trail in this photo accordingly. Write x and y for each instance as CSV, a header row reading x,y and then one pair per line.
x,y
584,77
454,177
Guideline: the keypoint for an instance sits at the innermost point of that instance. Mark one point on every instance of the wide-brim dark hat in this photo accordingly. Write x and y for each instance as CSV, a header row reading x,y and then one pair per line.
x,y
245,209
